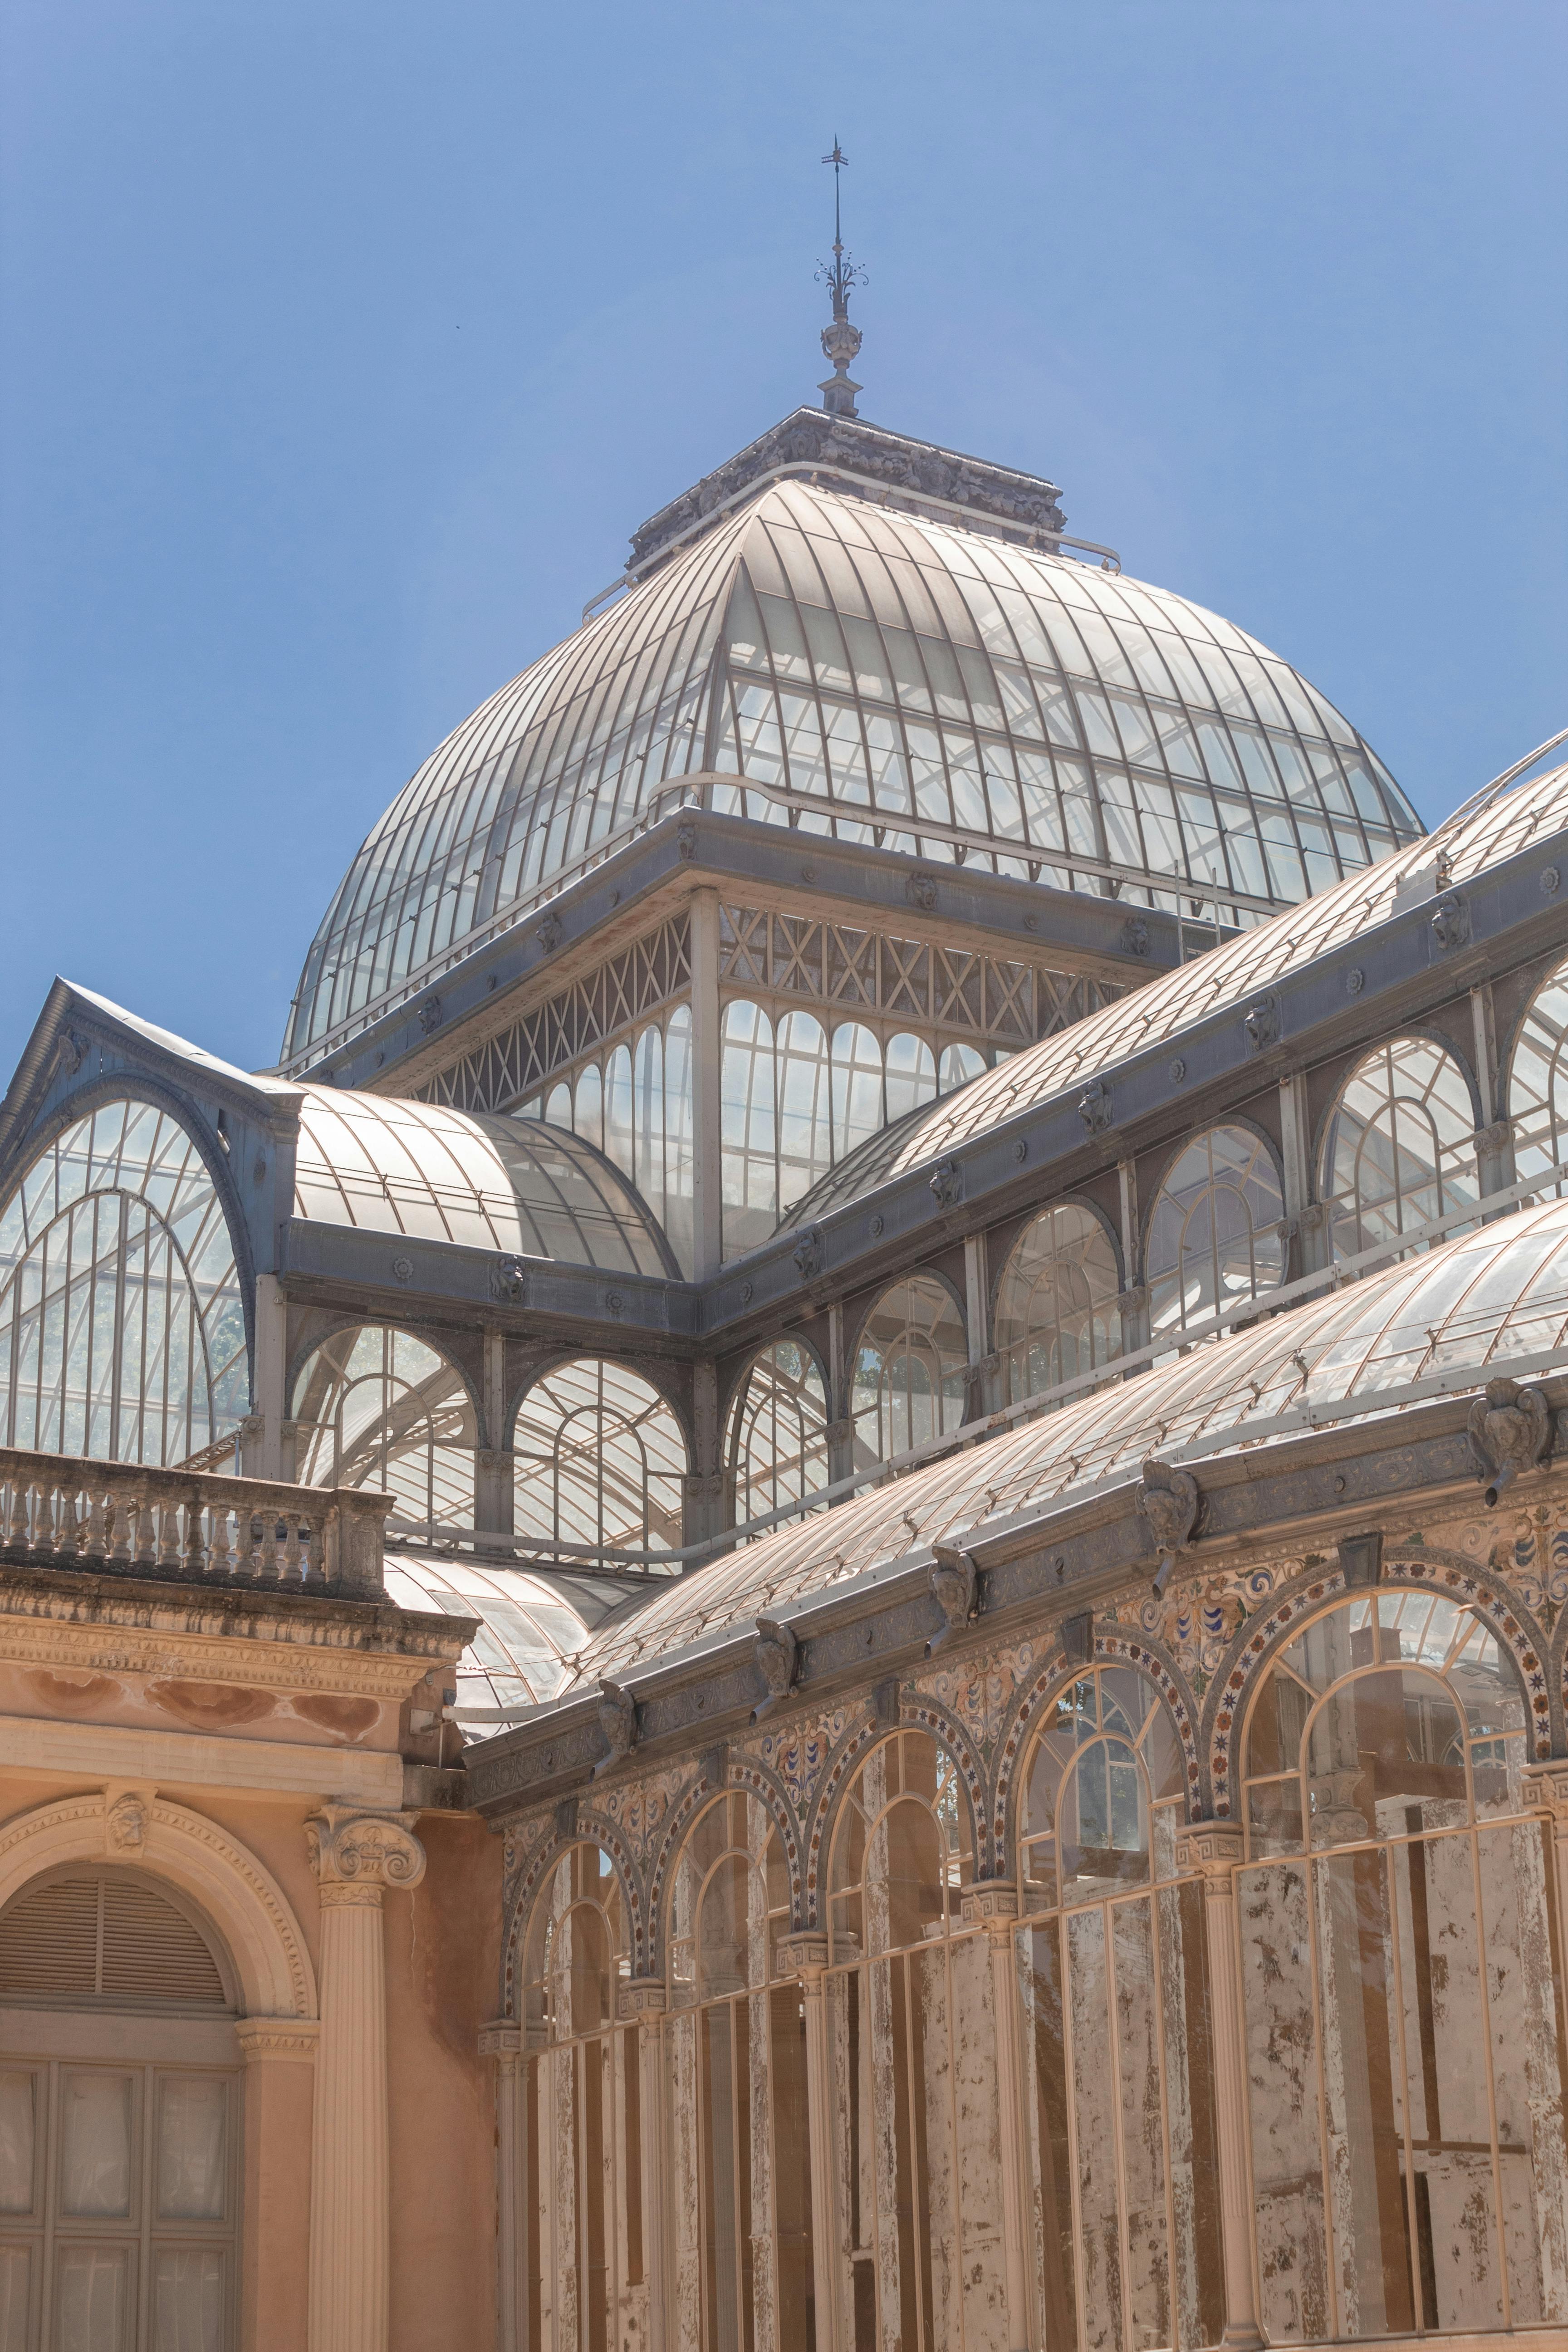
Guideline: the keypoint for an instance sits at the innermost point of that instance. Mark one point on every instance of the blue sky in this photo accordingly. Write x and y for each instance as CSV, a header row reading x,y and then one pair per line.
x,y
347,343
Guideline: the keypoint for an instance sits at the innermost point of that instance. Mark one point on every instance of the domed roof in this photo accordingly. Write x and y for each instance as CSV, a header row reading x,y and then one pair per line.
x,y
884,677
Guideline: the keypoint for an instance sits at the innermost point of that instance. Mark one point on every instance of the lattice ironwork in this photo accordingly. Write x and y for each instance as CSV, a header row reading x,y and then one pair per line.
x,y
944,987
597,1007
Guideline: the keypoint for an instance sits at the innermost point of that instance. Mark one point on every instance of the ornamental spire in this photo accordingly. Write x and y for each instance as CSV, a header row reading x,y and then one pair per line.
x,y
840,340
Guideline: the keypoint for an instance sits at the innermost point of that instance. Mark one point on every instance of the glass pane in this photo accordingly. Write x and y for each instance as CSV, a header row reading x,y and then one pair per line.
x,y
187,2300
16,2143
1527,2061
15,2290
92,2299
192,2131
95,2144
1362,2081
1282,2077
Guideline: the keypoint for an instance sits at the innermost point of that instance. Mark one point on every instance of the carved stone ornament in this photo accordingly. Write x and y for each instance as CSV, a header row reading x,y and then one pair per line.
x,y
686,839
362,1850
807,1253
72,1052
509,1281
1094,1106
618,1723
1261,1024
430,1014
946,1181
125,1823
1451,924
921,890
1170,1501
402,1269
1135,935
548,933
954,1579
1509,1430
777,1654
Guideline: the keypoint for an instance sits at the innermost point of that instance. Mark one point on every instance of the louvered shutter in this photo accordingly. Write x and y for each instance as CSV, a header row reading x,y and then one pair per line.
x,y
101,1939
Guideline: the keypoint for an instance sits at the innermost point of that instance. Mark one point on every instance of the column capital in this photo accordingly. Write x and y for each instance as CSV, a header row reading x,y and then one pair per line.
x,y
641,1999
991,1904
365,1852
1546,1788
804,1954
277,2037
502,2038
1210,1850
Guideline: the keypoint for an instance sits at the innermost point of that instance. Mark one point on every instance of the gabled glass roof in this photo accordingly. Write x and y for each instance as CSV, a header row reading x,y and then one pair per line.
x,y
885,672
1224,975
1486,1297
502,1183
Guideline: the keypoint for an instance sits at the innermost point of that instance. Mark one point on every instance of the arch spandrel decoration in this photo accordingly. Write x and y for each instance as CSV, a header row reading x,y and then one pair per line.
x,y
589,1829
241,1898
1261,1637
1111,1647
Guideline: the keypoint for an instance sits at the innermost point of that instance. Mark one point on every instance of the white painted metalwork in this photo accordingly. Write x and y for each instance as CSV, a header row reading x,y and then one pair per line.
x,y
1399,1147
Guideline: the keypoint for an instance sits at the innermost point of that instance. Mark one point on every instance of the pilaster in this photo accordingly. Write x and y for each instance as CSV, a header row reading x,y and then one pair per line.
x,y
1212,1850
805,1955
993,1906
643,2003
502,2042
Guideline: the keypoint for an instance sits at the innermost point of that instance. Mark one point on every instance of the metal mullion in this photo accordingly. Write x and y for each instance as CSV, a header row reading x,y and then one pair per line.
x,y
1391,1887
1151,1895
1474,1836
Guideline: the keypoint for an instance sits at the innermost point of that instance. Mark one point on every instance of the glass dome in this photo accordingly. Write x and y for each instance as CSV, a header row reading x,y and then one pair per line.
x,y
532,1622
499,1183
887,680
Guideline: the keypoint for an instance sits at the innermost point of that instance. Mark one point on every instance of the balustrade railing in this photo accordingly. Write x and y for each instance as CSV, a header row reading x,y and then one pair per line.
x,y
189,1527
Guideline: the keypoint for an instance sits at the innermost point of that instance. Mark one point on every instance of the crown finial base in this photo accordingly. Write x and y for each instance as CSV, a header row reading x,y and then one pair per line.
x,y
838,395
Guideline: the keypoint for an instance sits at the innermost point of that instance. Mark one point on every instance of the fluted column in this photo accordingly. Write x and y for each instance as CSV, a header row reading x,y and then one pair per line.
x,y
502,2040
1211,1850
357,1857
643,2003
806,1955
993,1904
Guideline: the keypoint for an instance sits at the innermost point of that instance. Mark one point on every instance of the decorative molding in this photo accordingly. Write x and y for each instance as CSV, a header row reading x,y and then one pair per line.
x,y
945,1183
641,1999
1210,1849
1450,925
500,2039
1510,1429
125,1634
953,1582
1261,1023
363,1852
261,2038
618,1723
777,1654
1094,1106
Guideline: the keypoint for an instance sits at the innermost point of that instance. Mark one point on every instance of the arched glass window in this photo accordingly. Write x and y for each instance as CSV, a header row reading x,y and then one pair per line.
x,y
778,1443
913,2120
1400,1146
379,1408
121,1323
736,2086
581,2177
1056,1305
857,1106
1112,1970
910,1075
805,1107
748,1133
910,1368
599,1458
1399,1982
959,1064
1538,1085
1213,1236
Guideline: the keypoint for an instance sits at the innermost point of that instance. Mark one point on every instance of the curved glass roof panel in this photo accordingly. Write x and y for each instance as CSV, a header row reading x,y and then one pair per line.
x,y
497,1182
1490,1295
883,678
1161,1009
533,1622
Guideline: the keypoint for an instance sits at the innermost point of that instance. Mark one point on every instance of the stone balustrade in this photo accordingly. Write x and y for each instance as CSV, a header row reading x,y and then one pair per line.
x,y
189,1527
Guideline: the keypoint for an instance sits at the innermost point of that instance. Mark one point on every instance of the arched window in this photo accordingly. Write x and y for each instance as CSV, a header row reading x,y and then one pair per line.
x,y
747,1125
121,1325
736,2074
1405,2063
1055,1304
379,1408
599,1458
1213,1236
1538,1085
858,1106
778,1443
1112,1967
1400,1145
910,1075
918,2240
805,1107
120,2171
911,1367
959,1064
579,2187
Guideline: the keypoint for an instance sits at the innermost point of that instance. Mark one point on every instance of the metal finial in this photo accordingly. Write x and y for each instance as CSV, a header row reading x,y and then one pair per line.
x,y
840,340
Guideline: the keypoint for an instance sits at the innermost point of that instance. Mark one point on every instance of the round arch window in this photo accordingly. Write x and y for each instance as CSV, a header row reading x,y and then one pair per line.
x,y
1055,1304
1214,1238
377,1407
911,1370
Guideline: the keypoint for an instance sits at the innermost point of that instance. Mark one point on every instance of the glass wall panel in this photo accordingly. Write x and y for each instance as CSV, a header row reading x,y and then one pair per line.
x,y
735,2086
1398,1985
1400,1146
1117,2054
805,1105
1215,1235
1538,1085
1056,1314
121,1323
778,1439
748,1131
599,1458
911,1370
379,1408
580,2178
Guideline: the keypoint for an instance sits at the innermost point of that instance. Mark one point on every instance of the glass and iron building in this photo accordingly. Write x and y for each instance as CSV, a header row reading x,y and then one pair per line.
x,y
870,1418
